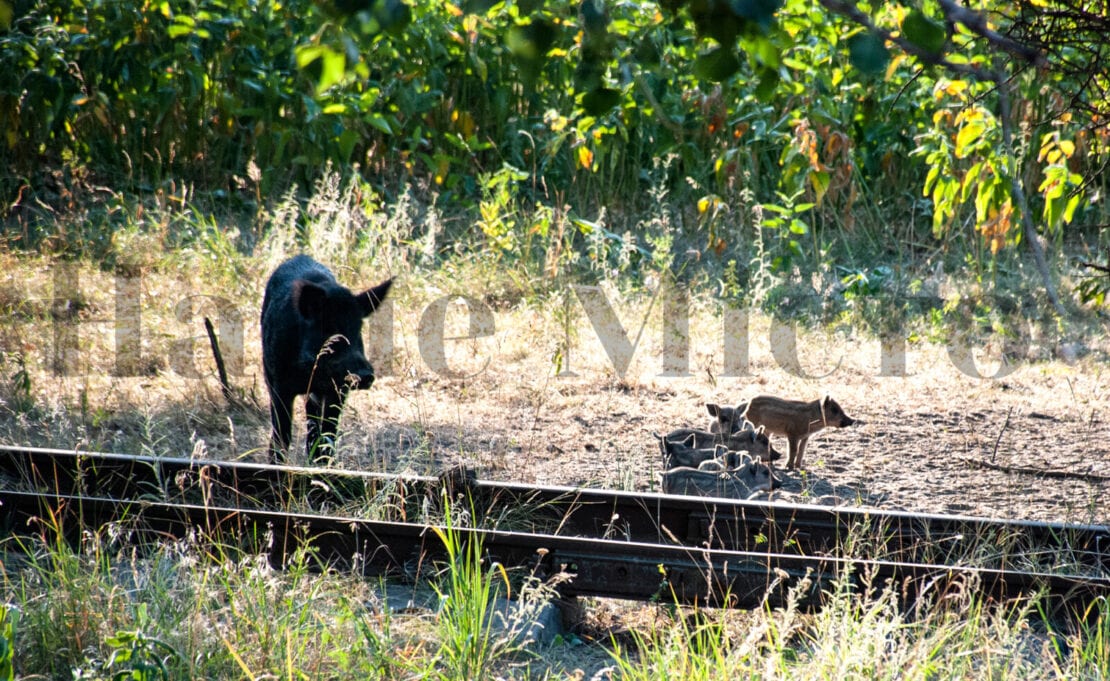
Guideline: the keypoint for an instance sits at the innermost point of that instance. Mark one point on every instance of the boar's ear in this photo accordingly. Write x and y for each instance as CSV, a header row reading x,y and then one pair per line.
x,y
713,409
370,299
308,298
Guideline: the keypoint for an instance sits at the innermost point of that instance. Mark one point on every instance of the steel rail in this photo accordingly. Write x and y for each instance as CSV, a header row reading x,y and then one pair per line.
x,y
597,567
640,517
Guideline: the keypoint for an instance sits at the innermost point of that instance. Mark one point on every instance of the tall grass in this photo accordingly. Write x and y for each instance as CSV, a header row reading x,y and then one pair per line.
x,y
111,606
467,590
872,633
104,603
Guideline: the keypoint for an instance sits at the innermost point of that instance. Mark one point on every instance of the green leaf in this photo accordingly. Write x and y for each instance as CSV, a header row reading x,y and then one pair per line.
x,y
760,11
716,66
820,182
600,101
769,80
985,198
306,54
923,32
970,178
347,141
1053,211
6,13
868,53
968,136
767,53
930,178
1069,210
335,68
379,122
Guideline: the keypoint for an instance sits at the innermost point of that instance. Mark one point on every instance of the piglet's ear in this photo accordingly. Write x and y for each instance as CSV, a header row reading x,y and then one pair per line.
x,y
713,409
308,298
370,299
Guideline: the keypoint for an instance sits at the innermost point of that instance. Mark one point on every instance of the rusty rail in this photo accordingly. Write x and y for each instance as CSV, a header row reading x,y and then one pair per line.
x,y
636,517
598,567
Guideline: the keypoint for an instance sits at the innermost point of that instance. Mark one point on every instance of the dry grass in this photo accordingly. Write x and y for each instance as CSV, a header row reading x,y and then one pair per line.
x,y
500,405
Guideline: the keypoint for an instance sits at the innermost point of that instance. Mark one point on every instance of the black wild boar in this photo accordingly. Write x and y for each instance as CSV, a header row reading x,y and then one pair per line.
x,y
312,345
726,419
740,482
748,440
677,453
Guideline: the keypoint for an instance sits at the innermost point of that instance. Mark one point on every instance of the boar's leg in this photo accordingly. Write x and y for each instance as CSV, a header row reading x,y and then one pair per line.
x,y
281,426
797,448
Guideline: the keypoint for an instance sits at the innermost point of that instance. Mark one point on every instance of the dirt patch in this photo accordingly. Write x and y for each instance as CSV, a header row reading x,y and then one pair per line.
x,y
1043,428
539,401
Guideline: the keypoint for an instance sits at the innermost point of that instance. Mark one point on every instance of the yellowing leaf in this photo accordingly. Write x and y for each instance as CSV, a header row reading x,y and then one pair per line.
x,y
442,167
585,157
707,203
951,88
969,134
895,61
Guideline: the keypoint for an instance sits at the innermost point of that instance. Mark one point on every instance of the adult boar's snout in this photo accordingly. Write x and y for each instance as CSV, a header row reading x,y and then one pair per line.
x,y
361,378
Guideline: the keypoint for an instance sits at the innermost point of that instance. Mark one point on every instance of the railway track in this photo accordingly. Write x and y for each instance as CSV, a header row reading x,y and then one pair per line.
x,y
618,544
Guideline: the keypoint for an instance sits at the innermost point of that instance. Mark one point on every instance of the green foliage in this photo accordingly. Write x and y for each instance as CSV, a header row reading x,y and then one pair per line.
x,y
924,32
135,656
241,98
1094,286
468,590
7,642
16,385
868,53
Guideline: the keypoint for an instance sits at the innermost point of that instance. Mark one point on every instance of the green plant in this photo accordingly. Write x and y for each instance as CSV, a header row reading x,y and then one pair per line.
x,y
136,656
468,589
18,388
789,224
7,642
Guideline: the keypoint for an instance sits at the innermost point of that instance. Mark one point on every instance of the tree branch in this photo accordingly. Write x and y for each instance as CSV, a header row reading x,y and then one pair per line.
x,y
977,24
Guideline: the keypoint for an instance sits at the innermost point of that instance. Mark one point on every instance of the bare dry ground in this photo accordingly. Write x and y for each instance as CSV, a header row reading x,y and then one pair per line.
x,y
497,403
1043,429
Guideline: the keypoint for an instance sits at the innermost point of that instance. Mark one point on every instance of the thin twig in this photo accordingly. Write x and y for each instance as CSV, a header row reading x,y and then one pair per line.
x,y
998,439
1095,266
224,385
1039,472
